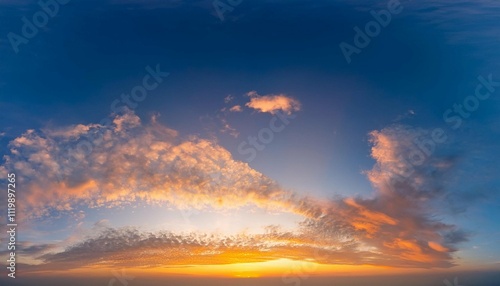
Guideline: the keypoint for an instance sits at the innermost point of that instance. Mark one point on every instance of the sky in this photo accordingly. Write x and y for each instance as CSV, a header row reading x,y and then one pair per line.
x,y
250,142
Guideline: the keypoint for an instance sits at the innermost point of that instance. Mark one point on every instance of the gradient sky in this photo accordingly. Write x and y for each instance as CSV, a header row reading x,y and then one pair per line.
x,y
346,183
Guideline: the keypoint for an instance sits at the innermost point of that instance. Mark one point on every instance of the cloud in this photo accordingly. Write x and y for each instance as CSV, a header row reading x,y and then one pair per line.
x,y
227,128
273,103
410,194
122,247
408,114
268,103
398,225
220,121
236,108
29,249
130,161
228,99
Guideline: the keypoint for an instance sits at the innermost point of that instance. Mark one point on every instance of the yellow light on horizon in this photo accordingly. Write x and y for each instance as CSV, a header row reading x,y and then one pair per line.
x,y
282,268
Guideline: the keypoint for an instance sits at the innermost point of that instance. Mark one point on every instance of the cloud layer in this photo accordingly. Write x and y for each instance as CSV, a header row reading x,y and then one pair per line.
x,y
128,161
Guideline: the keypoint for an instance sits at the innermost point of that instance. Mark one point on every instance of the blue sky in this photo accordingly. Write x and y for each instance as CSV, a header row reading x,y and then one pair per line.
x,y
351,124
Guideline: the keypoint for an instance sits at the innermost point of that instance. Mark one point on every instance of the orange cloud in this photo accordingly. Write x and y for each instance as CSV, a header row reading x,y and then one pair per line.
x,y
368,220
236,108
437,247
273,103
130,161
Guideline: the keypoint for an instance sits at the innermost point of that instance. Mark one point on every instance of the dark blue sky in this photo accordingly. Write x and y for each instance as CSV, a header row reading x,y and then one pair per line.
x,y
92,51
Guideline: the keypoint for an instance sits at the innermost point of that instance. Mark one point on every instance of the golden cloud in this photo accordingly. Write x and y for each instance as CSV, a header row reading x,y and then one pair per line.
x,y
273,103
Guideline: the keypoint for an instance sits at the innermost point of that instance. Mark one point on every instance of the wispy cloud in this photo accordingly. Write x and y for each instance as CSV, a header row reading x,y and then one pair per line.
x,y
236,108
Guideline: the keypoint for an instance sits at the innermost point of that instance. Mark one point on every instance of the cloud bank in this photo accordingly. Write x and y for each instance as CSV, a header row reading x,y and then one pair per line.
x,y
130,161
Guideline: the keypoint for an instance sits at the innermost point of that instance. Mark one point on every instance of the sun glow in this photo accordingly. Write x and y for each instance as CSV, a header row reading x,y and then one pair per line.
x,y
284,268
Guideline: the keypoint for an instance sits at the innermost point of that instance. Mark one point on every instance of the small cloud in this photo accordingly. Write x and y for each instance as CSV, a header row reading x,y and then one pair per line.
x,y
236,108
227,128
103,223
272,103
79,216
408,114
252,93
228,99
